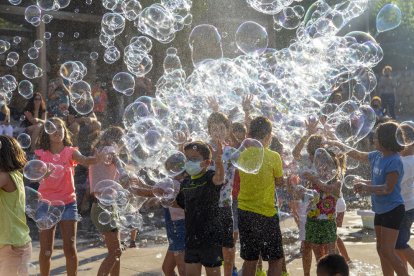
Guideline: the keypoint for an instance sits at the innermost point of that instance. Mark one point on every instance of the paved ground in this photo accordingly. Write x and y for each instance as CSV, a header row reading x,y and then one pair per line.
x,y
147,260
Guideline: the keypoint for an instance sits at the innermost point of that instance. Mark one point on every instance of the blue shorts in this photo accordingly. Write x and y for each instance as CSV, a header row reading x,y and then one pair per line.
x,y
176,235
70,212
405,230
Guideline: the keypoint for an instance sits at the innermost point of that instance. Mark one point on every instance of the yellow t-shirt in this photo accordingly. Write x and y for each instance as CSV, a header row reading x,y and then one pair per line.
x,y
14,230
257,191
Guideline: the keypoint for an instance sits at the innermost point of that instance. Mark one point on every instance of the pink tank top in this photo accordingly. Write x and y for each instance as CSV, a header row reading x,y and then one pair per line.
x,y
60,186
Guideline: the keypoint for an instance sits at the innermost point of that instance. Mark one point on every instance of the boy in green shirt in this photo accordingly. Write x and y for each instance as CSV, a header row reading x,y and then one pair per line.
x,y
259,228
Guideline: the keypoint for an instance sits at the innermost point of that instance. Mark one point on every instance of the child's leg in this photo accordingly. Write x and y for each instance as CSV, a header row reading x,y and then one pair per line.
x,y
306,249
213,271
111,264
249,268
133,238
229,254
275,267
46,238
179,261
193,269
391,261
169,264
68,230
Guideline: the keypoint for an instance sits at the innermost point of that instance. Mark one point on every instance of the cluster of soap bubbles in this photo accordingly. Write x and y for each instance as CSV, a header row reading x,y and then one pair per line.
x,y
37,170
137,57
120,207
45,213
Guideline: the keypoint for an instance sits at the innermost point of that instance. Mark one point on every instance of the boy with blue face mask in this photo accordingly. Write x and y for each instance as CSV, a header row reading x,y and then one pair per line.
x,y
199,198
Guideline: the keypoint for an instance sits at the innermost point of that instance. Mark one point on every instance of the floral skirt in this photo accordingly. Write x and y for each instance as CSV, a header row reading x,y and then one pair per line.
x,y
320,231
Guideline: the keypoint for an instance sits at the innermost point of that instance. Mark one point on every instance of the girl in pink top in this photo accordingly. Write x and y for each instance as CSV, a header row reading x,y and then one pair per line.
x,y
56,148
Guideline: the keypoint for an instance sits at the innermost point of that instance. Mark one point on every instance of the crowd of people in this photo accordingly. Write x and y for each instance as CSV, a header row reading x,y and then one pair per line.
x,y
217,204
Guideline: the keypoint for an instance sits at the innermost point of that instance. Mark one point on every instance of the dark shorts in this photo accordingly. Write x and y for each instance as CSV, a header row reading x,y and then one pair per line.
x,y
96,211
320,231
391,219
208,256
176,235
259,236
405,230
226,221
235,216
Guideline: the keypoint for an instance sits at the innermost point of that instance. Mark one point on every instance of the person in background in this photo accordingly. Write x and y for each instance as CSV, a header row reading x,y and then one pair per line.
x,y
376,105
386,89
5,127
100,99
15,242
34,117
402,247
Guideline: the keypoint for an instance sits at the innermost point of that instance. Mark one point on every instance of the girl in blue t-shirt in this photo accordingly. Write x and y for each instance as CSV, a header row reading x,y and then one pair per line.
x,y
385,189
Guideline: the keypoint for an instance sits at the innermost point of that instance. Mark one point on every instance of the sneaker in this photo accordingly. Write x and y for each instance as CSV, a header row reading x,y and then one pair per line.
x,y
234,273
260,272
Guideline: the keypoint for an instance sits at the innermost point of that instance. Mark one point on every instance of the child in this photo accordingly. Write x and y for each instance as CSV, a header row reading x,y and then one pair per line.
x,y
218,126
385,189
56,148
5,127
320,228
332,265
199,197
15,242
376,106
110,169
259,228
175,226
404,250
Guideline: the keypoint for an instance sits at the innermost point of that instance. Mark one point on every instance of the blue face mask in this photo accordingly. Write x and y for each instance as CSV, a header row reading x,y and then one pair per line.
x,y
193,167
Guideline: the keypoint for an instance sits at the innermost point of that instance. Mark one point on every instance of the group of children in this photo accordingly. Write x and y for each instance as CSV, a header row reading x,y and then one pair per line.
x,y
217,204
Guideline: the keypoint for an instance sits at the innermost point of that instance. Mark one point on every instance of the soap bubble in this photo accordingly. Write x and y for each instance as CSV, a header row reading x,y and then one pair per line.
x,y
405,134
350,180
205,44
94,55
17,39
50,127
104,217
33,14
325,165
15,2
108,192
154,139
24,140
180,133
290,17
124,83
33,53
249,156
388,18
71,71
81,97
12,59
47,18
111,54
112,24
35,170
31,71
25,89
166,190
175,164
251,38
269,7
131,9
61,34
47,35
38,44
171,61
75,34
4,46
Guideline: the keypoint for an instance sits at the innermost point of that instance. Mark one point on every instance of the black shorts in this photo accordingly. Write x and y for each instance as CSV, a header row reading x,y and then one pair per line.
x,y
259,236
226,226
207,255
391,219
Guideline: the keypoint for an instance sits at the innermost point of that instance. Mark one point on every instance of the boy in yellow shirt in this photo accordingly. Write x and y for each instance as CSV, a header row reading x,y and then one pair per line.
x,y
259,228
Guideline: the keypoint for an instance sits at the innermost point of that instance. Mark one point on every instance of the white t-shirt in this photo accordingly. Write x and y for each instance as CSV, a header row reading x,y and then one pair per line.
x,y
407,183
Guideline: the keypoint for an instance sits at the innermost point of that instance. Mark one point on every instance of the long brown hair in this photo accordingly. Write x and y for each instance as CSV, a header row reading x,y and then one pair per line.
x,y
30,106
44,140
12,157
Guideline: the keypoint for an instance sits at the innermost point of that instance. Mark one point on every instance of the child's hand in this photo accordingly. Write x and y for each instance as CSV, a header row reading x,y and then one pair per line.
x,y
293,180
311,126
219,150
247,103
213,104
360,187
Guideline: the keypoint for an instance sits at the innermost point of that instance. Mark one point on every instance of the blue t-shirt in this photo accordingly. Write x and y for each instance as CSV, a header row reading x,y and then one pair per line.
x,y
380,167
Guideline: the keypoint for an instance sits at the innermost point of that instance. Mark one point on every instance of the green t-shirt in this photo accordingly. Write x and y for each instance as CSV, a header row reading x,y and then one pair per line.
x,y
257,191
14,229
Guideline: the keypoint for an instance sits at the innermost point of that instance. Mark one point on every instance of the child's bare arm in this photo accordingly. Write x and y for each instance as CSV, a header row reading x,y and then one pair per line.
x,y
218,177
87,160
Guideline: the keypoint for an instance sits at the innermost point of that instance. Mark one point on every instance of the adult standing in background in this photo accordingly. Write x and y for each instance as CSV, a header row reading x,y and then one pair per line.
x,y
386,89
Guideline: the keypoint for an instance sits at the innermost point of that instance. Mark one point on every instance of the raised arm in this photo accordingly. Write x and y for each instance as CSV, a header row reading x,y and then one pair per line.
x,y
311,128
218,177
385,189
87,160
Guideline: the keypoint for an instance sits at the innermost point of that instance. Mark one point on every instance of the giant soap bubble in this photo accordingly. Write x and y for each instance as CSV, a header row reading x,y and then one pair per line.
x,y
388,18
251,38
